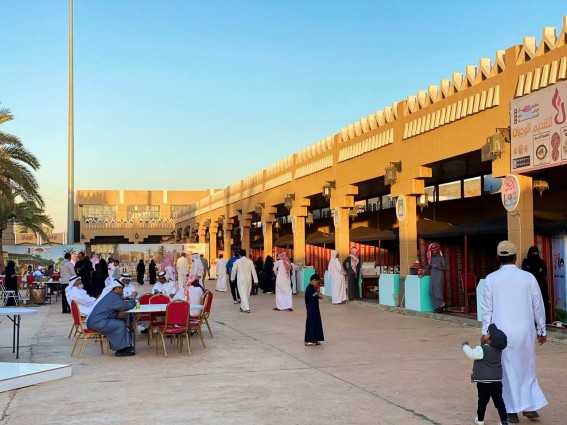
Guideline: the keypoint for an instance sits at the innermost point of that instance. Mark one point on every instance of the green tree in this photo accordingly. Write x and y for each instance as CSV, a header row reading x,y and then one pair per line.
x,y
20,201
16,167
24,213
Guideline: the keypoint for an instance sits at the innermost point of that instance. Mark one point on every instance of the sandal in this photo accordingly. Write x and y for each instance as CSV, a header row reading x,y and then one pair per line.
x,y
276,309
317,343
310,344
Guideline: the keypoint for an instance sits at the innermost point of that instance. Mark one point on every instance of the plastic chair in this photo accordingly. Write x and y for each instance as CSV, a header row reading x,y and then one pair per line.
x,y
6,295
84,333
468,284
176,325
156,319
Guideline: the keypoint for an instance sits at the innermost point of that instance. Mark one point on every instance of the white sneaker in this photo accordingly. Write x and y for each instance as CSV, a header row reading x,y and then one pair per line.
x,y
477,422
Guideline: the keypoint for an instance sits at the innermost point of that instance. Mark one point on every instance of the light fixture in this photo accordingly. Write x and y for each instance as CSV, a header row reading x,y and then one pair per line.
x,y
288,200
82,236
136,236
496,145
423,201
277,225
235,231
392,172
331,184
540,185
258,209
239,212
353,212
309,218
186,230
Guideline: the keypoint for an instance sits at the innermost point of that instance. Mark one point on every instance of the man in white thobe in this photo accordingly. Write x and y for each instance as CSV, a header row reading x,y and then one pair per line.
x,y
182,270
337,278
165,286
512,300
246,275
129,287
75,292
221,274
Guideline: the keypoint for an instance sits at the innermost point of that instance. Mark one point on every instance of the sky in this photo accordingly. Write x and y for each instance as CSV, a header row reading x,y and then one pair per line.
x,y
190,95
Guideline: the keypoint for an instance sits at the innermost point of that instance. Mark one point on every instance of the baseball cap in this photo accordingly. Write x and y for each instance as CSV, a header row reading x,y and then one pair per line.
x,y
506,248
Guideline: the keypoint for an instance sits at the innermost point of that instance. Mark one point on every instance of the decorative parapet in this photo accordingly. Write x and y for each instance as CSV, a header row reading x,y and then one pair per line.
x,y
455,111
367,145
218,204
280,166
217,196
315,166
253,179
247,193
541,77
278,181
371,122
315,149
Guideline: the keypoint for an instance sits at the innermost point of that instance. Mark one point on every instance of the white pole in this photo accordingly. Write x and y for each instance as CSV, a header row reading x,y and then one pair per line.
x,y
71,159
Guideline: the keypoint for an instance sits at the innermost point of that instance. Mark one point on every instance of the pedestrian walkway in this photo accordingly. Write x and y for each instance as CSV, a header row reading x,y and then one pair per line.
x,y
375,367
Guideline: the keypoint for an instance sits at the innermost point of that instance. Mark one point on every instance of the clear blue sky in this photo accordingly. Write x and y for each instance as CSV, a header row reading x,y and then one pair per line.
x,y
180,94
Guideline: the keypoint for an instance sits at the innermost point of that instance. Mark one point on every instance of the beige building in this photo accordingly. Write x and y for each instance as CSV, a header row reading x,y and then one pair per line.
x,y
130,216
449,141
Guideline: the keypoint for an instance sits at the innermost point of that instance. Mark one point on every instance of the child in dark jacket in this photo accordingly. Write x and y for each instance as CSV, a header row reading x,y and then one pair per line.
x,y
487,372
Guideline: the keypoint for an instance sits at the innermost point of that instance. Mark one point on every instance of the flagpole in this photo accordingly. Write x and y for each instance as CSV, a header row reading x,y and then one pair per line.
x,y
71,142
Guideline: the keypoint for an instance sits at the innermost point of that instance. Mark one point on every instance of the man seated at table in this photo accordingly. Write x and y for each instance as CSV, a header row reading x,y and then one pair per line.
x,y
75,292
164,285
196,292
39,273
129,287
103,318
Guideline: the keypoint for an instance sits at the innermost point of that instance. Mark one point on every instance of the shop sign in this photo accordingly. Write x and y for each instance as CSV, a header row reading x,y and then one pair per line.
x,y
539,129
401,208
510,192
26,238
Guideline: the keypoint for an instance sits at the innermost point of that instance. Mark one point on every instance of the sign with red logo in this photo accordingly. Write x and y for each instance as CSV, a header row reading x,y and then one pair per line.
x,y
510,192
539,129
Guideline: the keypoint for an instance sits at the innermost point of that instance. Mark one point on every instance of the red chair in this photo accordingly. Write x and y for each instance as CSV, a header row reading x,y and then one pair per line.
x,y
196,322
144,317
156,319
468,284
84,333
207,302
176,325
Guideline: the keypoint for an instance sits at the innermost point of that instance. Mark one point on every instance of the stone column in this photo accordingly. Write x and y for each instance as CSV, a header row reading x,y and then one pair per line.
x,y
408,237
342,231
299,239
521,220
245,236
268,217
202,234
227,239
213,242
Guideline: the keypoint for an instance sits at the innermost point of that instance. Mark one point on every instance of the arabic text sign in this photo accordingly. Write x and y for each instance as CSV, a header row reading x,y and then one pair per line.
x,y
539,129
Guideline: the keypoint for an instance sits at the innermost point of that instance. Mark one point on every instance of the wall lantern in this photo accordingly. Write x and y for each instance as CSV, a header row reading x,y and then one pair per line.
x,y
309,218
353,212
186,231
496,142
392,172
277,225
288,200
423,201
136,236
327,189
82,236
540,185
258,209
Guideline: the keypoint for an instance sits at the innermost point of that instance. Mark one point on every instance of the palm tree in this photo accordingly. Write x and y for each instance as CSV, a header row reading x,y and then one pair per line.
x,y
16,178
25,213
20,201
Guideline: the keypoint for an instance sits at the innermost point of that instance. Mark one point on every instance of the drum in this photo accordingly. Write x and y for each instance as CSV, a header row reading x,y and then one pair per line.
x,y
37,294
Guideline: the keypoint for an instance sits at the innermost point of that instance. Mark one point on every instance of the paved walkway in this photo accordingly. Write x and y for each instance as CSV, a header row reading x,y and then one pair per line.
x,y
375,367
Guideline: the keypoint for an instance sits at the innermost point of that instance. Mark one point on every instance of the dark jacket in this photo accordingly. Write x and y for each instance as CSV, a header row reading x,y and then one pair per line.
x,y
489,369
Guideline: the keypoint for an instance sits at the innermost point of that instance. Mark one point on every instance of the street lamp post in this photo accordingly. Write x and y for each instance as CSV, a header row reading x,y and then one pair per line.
x,y
71,159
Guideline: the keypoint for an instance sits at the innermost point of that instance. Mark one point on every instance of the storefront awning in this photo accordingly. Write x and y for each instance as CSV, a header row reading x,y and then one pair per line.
x,y
284,241
319,238
371,234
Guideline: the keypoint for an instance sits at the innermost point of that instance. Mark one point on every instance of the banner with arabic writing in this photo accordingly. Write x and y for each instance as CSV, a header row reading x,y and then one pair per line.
x,y
539,129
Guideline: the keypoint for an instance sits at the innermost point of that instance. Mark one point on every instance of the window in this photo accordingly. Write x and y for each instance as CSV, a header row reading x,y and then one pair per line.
x,y
142,212
472,187
373,204
98,212
448,191
387,202
174,210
